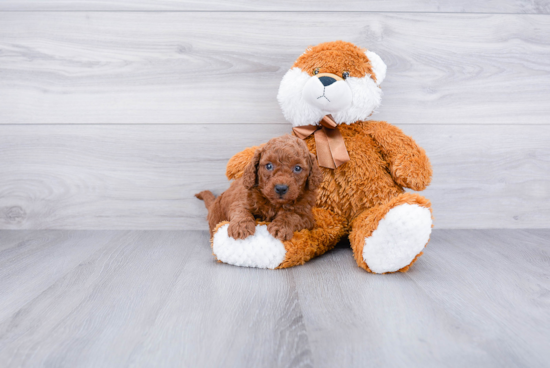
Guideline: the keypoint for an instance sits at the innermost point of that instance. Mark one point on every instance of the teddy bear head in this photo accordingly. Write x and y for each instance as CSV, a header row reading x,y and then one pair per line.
x,y
336,78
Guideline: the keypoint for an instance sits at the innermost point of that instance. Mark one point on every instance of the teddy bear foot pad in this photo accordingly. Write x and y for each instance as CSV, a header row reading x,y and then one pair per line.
x,y
259,250
399,238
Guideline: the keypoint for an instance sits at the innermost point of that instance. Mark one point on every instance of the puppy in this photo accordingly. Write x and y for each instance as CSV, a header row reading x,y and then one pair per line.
x,y
279,185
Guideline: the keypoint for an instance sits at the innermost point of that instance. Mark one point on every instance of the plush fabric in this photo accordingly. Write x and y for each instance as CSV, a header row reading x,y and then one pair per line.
x,y
259,250
264,251
365,197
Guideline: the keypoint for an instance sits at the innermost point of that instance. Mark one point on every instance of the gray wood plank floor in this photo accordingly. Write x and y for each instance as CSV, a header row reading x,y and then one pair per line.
x,y
477,298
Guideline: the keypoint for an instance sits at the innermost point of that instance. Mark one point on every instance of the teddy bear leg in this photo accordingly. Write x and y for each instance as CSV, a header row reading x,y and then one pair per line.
x,y
391,237
264,251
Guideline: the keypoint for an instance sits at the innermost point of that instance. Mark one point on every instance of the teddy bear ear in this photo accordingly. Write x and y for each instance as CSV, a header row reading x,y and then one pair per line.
x,y
378,66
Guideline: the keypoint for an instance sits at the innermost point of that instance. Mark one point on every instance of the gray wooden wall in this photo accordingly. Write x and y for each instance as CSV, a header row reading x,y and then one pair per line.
x,y
114,113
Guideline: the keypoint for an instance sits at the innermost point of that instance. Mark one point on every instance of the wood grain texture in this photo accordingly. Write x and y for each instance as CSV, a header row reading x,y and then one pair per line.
x,y
158,298
152,299
459,6
144,177
183,68
61,251
475,299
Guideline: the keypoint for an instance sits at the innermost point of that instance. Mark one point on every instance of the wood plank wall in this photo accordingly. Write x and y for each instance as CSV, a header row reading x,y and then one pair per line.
x,y
114,113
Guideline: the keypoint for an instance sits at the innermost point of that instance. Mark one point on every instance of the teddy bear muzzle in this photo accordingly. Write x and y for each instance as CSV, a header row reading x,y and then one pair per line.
x,y
327,92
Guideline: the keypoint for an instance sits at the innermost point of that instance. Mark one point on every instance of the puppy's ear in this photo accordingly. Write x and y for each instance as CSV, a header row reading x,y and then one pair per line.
x,y
315,177
250,176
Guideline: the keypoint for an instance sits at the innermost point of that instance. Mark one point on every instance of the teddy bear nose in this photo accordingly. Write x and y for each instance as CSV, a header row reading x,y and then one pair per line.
x,y
327,81
281,189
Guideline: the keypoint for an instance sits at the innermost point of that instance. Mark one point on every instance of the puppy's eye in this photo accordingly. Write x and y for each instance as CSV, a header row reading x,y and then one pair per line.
x,y
316,71
345,75
297,169
269,166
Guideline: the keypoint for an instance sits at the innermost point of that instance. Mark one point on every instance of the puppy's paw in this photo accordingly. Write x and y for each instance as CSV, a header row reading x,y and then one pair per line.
x,y
241,229
280,231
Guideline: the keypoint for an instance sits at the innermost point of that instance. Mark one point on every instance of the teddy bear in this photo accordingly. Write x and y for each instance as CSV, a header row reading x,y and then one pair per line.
x,y
328,96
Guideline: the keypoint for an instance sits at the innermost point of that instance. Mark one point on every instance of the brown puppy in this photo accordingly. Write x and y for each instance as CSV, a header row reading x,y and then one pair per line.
x,y
279,185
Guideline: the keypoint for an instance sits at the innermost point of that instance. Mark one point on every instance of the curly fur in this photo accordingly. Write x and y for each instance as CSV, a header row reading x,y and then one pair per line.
x,y
253,196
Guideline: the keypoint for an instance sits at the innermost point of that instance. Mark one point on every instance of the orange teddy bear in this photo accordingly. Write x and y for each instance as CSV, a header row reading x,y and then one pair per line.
x,y
328,96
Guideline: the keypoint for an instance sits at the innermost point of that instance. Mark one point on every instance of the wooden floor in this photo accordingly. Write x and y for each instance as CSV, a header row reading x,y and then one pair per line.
x,y
157,298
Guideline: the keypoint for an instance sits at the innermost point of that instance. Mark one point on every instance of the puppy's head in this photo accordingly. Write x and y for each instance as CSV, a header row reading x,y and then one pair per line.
x,y
335,78
283,170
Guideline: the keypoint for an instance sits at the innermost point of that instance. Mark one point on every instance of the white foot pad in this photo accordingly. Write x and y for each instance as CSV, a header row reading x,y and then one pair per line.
x,y
259,250
400,236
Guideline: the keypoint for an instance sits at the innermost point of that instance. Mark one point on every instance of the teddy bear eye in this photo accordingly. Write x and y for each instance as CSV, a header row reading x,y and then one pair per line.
x,y
345,75
316,71
269,166
297,169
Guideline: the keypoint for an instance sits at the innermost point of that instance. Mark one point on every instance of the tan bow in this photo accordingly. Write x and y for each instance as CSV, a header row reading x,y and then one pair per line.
x,y
331,149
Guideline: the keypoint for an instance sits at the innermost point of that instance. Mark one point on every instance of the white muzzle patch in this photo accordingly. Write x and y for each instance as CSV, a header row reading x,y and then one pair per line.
x,y
330,99
305,100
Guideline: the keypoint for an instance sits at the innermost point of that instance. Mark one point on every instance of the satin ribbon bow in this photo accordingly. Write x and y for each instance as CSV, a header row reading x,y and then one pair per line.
x,y
331,149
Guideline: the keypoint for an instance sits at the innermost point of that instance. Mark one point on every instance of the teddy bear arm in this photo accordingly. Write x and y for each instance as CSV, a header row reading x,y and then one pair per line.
x,y
409,165
236,164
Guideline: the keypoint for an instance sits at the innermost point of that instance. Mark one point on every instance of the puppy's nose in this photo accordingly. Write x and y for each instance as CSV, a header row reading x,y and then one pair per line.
x,y
327,81
281,189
